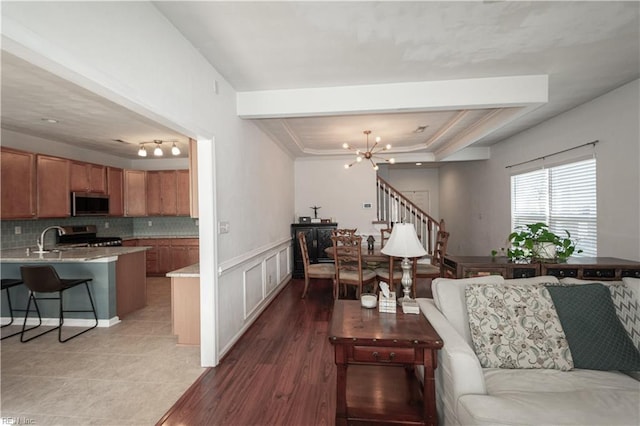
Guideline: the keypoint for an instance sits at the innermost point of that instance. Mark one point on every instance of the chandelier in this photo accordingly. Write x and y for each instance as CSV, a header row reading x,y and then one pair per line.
x,y
157,151
370,153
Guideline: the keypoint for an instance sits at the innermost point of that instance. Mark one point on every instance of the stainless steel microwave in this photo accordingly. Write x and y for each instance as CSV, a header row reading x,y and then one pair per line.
x,y
89,204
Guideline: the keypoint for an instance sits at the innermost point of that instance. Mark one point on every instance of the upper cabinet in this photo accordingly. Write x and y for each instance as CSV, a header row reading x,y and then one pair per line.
x,y
183,192
86,177
52,186
115,189
39,186
193,178
17,184
135,193
168,193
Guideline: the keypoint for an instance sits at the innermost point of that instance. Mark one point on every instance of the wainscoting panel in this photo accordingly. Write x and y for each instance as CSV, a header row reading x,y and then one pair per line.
x,y
253,293
246,285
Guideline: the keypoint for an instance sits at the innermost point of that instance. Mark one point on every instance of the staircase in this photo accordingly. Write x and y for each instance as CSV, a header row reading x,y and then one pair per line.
x,y
394,207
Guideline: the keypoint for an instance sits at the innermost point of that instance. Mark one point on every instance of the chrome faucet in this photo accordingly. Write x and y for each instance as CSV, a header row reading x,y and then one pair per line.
x,y
40,241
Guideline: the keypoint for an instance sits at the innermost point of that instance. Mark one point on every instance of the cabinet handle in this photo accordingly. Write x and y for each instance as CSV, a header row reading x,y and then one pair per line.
x,y
392,355
376,355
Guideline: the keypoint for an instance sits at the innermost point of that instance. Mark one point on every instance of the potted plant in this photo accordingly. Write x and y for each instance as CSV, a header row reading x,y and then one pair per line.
x,y
535,242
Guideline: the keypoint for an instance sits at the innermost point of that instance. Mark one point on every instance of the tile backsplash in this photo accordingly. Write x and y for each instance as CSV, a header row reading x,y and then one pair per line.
x,y
29,230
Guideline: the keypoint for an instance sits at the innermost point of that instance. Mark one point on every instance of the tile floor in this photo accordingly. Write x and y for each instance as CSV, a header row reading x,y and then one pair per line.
x,y
128,374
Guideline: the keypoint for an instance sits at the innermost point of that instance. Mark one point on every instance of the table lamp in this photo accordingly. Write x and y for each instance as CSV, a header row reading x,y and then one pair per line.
x,y
404,243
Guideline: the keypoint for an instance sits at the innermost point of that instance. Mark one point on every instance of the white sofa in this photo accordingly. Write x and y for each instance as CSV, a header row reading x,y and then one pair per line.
x,y
471,395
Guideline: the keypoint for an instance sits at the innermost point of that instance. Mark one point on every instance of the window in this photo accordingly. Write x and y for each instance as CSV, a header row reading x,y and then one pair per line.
x,y
563,197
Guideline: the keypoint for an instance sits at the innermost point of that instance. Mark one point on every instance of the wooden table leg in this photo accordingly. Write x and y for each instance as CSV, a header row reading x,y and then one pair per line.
x,y
429,391
341,395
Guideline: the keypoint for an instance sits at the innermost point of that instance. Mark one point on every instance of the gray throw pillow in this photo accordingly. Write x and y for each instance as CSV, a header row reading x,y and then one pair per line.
x,y
597,338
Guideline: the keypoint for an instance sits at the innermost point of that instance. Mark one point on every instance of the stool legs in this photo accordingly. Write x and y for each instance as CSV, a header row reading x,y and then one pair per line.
x,y
33,298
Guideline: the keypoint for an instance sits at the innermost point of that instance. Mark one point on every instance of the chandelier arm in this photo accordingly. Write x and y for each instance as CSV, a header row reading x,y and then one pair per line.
x,y
372,163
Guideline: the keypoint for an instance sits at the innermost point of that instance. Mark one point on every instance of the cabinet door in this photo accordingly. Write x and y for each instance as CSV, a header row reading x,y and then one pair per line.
x,y
193,177
168,193
17,184
135,196
154,198
115,189
165,258
78,176
182,184
151,255
97,178
52,186
323,238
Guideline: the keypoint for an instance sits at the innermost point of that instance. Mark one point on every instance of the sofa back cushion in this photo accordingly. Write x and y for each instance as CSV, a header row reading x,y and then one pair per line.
x,y
448,295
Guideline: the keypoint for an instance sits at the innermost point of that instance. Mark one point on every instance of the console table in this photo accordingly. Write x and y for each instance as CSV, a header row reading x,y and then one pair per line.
x,y
375,355
587,268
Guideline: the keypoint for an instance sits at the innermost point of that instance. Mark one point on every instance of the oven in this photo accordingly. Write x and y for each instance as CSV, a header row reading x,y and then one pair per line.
x,y
85,236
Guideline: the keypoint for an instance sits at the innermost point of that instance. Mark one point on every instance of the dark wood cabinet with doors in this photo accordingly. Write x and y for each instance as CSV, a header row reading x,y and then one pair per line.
x,y
318,237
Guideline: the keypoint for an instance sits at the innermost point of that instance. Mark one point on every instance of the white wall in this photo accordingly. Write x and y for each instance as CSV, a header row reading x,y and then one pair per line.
x,y
419,179
475,197
130,54
340,192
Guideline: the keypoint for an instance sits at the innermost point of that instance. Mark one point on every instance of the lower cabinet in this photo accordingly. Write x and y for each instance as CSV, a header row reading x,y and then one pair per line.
x,y
168,254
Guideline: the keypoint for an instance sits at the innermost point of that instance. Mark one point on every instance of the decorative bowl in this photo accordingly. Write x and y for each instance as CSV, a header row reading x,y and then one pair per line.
x,y
368,300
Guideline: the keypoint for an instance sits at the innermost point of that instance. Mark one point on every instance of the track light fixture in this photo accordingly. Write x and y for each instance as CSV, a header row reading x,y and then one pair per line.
x,y
157,151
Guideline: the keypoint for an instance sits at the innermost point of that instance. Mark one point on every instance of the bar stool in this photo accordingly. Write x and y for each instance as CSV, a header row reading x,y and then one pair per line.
x,y
45,279
7,283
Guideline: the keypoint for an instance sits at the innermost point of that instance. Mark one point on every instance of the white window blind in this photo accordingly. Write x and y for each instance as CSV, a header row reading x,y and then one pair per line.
x,y
563,197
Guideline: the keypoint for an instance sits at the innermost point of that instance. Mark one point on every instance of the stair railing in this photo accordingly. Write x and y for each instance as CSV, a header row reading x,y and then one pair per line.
x,y
394,207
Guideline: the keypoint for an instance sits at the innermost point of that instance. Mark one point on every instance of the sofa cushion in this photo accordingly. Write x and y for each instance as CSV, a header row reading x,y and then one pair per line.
x,y
516,326
597,338
553,397
448,294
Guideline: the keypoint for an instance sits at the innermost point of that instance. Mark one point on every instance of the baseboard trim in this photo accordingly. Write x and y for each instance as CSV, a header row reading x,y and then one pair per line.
x,y
68,322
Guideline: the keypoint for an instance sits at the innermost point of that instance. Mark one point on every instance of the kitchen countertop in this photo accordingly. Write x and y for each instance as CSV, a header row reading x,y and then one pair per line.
x,y
191,271
159,237
76,254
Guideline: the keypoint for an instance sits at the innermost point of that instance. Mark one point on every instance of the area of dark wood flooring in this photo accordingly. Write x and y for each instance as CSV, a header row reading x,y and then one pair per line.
x,y
281,372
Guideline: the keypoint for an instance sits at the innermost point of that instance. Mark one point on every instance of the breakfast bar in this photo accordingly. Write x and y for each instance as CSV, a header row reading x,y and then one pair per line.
x,y
118,276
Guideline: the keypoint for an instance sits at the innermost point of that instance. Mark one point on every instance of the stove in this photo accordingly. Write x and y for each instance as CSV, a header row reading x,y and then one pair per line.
x,y
86,236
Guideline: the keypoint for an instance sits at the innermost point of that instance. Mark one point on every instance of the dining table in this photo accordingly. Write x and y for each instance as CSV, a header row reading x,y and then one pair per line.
x,y
368,256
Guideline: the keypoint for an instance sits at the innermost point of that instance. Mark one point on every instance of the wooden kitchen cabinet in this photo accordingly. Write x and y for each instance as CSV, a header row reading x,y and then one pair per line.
x,y
52,186
115,190
163,193
193,178
135,193
18,184
168,254
183,193
87,177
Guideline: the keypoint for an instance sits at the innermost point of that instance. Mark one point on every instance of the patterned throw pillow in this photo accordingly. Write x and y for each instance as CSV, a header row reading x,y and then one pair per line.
x,y
515,326
628,311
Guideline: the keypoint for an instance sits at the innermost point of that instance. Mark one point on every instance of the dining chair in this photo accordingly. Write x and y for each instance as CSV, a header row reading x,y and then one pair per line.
x,y
384,236
347,253
45,279
313,270
343,231
435,269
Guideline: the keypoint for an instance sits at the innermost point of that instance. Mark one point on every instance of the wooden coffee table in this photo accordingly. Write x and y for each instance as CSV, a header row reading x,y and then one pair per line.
x,y
381,351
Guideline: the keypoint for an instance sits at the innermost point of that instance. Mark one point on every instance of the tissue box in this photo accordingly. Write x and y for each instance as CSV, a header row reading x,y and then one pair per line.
x,y
387,304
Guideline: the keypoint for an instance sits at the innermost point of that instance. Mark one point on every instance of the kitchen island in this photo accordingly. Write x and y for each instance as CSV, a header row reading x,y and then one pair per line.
x,y
118,287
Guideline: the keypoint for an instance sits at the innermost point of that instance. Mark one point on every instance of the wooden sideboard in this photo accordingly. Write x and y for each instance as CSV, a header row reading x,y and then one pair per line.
x,y
588,268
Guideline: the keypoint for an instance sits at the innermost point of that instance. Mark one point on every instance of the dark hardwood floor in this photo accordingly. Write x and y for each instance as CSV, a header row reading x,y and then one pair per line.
x,y
281,372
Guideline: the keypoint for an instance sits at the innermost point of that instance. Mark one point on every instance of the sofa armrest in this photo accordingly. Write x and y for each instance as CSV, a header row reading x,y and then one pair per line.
x,y
459,372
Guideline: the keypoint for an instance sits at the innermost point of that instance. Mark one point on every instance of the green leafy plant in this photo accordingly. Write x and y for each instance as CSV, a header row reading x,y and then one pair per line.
x,y
535,242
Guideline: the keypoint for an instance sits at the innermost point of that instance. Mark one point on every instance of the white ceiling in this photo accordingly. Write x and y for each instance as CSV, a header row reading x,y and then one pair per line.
x,y
586,49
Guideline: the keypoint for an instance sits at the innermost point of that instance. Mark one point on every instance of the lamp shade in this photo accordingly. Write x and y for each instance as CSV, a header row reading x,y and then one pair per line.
x,y
404,242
